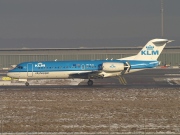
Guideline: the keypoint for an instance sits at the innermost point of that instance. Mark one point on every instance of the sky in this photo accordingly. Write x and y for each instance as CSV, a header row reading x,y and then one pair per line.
x,y
86,23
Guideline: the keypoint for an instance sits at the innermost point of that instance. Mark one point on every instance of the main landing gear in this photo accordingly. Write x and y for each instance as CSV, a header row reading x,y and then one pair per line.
x,y
90,82
27,84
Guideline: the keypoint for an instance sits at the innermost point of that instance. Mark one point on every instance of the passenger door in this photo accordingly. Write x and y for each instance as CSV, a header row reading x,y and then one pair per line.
x,y
29,69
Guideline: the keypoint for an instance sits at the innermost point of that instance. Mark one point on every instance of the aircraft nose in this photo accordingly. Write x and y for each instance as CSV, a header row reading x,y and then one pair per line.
x,y
10,74
13,74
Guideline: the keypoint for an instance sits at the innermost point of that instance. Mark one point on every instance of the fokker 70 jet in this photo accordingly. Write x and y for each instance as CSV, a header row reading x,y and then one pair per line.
x,y
90,69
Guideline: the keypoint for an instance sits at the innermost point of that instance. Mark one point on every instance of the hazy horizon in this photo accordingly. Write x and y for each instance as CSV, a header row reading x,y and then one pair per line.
x,y
86,23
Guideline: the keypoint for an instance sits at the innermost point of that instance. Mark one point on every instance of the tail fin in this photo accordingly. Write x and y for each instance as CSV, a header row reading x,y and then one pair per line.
x,y
152,49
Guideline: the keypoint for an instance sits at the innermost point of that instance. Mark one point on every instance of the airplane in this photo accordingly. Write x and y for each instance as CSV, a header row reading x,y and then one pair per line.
x,y
90,69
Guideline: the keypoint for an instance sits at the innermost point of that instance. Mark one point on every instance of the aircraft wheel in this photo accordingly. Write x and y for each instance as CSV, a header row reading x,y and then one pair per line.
x,y
27,84
90,83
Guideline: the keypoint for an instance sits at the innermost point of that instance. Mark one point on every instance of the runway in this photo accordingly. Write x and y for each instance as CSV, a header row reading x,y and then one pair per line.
x,y
147,104
150,78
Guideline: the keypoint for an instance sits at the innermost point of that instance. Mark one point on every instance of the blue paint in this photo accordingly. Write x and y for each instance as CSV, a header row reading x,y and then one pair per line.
x,y
84,65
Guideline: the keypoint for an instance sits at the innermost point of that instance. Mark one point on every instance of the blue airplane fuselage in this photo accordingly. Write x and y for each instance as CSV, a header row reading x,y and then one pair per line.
x,y
81,65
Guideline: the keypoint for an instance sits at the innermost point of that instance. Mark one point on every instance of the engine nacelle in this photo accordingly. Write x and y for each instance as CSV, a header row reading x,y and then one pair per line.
x,y
112,67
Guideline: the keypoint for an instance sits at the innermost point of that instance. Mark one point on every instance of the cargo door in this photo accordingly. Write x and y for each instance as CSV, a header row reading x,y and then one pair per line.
x,y
29,69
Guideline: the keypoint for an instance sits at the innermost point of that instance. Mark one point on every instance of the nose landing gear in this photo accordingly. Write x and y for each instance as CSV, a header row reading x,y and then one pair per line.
x,y
90,83
27,84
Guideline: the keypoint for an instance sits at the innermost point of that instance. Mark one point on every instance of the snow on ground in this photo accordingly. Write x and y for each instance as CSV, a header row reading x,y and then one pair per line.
x,y
90,111
45,82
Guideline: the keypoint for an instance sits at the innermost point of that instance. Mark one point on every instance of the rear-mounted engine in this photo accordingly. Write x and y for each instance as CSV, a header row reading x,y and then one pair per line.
x,y
113,67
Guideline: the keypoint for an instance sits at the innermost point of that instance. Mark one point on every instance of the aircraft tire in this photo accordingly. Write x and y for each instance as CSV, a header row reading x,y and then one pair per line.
x,y
27,84
90,83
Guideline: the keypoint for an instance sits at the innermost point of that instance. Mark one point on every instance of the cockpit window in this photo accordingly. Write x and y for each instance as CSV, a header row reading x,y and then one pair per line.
x,y
19,67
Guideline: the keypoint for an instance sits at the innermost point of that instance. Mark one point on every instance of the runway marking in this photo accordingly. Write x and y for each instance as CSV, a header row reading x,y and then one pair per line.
x,y
122,80
172,74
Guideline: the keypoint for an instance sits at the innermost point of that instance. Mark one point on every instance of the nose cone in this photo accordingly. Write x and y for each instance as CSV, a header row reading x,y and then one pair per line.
x,y
13,74
9,74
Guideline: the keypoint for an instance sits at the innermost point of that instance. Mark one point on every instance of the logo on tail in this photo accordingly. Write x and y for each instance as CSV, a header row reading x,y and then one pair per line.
x,y
149,51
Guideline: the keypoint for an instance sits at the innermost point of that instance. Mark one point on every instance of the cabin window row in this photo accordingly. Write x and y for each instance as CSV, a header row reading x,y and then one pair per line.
x,y
66,67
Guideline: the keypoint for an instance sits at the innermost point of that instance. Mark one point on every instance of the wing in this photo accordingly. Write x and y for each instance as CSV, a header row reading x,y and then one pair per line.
x,y
86,74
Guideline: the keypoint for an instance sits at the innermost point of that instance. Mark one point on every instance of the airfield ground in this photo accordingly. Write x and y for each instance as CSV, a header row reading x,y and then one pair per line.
x,y
90,111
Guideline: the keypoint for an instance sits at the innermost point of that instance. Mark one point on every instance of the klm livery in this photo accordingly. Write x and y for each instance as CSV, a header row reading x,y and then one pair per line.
x,y
90,69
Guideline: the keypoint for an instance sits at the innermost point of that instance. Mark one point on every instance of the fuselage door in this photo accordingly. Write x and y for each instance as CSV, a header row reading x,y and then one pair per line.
x,y
29,69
